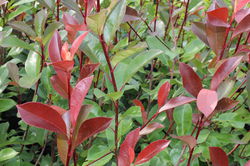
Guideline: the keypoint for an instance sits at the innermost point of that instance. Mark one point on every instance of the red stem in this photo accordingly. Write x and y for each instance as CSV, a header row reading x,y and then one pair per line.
x,y
98,6
57,9
184,20
116,103
134,31
247,38
238,44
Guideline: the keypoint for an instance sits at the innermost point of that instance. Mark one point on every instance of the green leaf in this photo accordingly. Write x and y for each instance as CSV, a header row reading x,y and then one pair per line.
x,y
20,2
6,104
98,93
132,112
183,119
138,62
157,43
115,95
248,87
23,27
100,162
114,20
96,22
191,49
27,81
49,31
48,4
70,4
40,20
13,41
97,150
33,64
121,44
7,153
225,88
18,11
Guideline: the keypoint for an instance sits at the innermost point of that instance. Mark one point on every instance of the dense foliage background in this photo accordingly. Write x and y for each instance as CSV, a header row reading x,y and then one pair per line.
x,y
159,82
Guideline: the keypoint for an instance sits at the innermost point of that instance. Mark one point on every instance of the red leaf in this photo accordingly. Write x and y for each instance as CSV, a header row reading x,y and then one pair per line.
x,y
65,54
225,104
243,26
126,155
151,150
224,70
77,42
91,127
77,96
239,4
131,15
191,81
188,139
218,17
247,163
60,110
65,66
175,102
207,101
150,128
199,29
163,94
218,156
59,86
42,116
62,147
55,46
143,112
241,14
88,69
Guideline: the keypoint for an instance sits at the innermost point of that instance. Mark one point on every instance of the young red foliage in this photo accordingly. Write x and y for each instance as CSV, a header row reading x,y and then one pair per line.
x,y
175,102
42,116
143,112
87,70
150,128
163,94
191,81
207,101
218,156
243,26
224,70
188,139
218,17
151,150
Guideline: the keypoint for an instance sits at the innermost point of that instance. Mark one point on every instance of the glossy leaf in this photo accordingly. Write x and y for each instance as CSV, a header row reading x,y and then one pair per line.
x,y
243,26
225,88
241,14
239,4
222,160
59,86
163,94
126,152
55,46
96,22
183,118
77,96
114,20
150,128
7,153
188,139
218,17
77,42
13,41
23,27
13,71
131,15
151,150
191,81
47,3
33,64
91,127
39,22
175,102
42,116
65,66
6,104
143,112
207,101
224,70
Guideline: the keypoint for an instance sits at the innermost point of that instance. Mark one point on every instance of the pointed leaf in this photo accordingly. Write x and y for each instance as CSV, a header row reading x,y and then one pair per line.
x,y
42,116
55,46
163,94
191,81
188,139
59,86
240,4
13,41
7,153
226,104
6,104
218,156
151,150
114,20
33,64
126,153
91,127
39,22
241,14
218,17
131,15
224,70
65,66
13,71
207,101
62,147
77,42
77,96
23,27
175,102
143,112
225,88
150,128
88,69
